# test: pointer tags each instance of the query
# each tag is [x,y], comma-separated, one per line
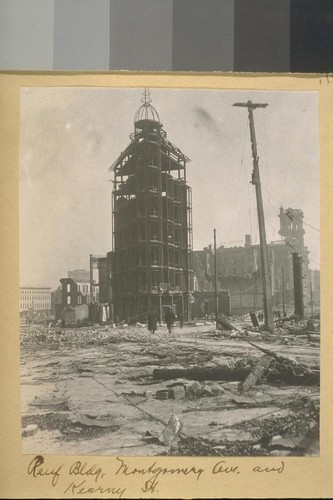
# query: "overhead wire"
[268,172]
[291,216]
[238,178]
[274,229]
[250,210]
[300,220]
[294,216]
[314,261]
[265,148]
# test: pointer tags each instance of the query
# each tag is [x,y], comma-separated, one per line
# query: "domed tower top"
[146,111]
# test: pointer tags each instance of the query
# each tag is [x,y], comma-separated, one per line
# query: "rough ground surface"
[91,391]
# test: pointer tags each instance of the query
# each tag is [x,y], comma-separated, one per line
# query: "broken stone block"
[171,430]
[30,430]
[92,421]
[282,441]
[257,372]
[196,390]
[177,392]
[151,437]
[162,394]
[224,324]
[51,401]
[243,400]
[213,390]
[208,391]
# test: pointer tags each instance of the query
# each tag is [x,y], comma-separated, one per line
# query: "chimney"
[248,241]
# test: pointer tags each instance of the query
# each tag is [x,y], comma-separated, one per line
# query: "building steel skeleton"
[152,222]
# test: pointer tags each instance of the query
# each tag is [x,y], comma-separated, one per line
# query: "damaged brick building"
[152,222]
[239,269]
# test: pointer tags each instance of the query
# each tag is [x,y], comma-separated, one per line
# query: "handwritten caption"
[81,478]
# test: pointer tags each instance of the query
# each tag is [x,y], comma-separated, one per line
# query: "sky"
[71,136]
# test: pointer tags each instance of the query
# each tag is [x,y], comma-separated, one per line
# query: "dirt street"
[92,391]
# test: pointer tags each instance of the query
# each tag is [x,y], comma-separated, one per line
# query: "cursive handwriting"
[81,489]
[220,467]
[82,469]
[279,470]
[35,469]
[154,471]
[83,478]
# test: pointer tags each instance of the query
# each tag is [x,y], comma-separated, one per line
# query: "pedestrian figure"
[169,318]
[254,319]
[206,306]
[152,320]
[181,319]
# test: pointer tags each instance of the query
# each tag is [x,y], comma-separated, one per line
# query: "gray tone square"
[81,35]
[26,34]
[262,35]
[203,35]
[141,35]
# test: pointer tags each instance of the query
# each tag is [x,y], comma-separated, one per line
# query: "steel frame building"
[152,222]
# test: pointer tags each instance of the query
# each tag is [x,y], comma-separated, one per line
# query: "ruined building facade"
[239,269]
[152,223]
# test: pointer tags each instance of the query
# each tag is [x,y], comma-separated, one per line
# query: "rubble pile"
[80,336]
[196,391]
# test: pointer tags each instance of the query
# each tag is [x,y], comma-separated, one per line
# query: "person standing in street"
[169,318]
[152,318]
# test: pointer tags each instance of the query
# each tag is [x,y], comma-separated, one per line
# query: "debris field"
[197,391]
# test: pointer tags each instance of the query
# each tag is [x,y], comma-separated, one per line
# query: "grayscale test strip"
[167,35]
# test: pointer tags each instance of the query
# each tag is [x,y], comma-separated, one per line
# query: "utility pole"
[269,325]
[283,300]
[160,303]
[255,293]
[215,273]
[91,288]
[298,285]
[311,297]
[241,300]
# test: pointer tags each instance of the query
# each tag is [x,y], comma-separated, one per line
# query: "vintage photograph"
[169,272]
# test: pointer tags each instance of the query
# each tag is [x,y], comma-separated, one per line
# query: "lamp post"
[215,281]
[160,303]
